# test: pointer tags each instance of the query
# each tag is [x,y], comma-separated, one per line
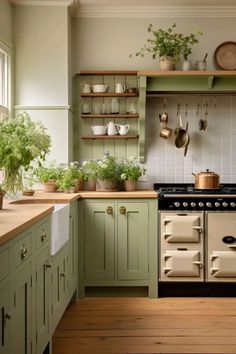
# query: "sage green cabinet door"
[132,239]
[22,313]
[42,299]
[73,248]
[99,241]
[5,317]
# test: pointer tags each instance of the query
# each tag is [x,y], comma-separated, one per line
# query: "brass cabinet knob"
[48,266]
[109,210]
[23,252]
[43,235]
[63,274]
[122,210]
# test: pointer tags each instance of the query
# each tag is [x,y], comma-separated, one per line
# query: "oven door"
[221,244]
[181,246]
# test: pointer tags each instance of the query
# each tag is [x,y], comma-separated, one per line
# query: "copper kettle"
[207,180]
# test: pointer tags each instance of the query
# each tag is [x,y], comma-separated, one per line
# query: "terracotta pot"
[130,185]
[91,184]
[50,186]
[79,185]
[106,186]
[28,193]
[1,198]
[167,63]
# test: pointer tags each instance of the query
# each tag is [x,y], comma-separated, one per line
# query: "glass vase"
[13,183]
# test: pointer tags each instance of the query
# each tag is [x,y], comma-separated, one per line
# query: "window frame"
[6,54]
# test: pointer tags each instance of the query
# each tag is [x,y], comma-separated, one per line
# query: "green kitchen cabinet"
[132,241]
[5,317]
[22,318]
[73,249]
[59,286]
[100,241]
[119,239]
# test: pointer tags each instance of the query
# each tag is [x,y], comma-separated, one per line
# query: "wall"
[6,22]
[42,72]
[105,43]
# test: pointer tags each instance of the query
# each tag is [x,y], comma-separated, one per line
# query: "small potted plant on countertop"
[2,193]
[72,178]
[131,171]
[168,45]
[48,176]
[90,168]
[108,174]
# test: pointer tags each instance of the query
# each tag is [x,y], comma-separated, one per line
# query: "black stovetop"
[188,189]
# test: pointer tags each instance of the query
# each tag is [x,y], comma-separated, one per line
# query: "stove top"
[183,196]
[188,189]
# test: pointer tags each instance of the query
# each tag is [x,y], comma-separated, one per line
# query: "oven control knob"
[217,204]
[193,205]
[185,204]
[232,204]
[208,204]
[225,204]
[201,204]
[177,204]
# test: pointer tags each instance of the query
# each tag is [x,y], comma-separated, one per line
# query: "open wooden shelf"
[92,137]
[109,94]
[109,72]
[123,115]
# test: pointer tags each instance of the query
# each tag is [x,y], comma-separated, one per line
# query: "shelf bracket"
[211,82]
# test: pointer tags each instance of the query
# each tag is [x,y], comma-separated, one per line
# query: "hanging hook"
[198,105]
[186,109]
[164,104]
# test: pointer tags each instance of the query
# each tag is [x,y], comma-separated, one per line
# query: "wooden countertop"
[20,214]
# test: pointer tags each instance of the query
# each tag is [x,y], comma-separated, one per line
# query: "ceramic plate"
[225,55]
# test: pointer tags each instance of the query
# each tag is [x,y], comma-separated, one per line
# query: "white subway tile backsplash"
[214,148]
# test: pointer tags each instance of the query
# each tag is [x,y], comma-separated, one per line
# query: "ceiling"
[146,3]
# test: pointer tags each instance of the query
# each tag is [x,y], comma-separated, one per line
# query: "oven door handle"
[232,246]
[213,257]
[166,270]
[166,235]
[166,221]
[198,228]
[198,263]
[214,271]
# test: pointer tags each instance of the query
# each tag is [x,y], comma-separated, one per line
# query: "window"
[5,79]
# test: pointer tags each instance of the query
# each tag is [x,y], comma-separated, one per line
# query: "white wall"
[43,80]
[5,22]
[105,43]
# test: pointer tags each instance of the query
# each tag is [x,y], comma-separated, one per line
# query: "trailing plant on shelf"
[131,170]
[168,45]
[21,141]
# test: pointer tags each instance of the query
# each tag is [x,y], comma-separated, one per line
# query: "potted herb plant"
[49,176]
[22,141]
[107,174]
[2,193]
[131,171]
[76,174]
[90,168]
[168,45]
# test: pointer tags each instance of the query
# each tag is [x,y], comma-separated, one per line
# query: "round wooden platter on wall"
[225,55]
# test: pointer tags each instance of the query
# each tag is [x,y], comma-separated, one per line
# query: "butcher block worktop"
[20,214]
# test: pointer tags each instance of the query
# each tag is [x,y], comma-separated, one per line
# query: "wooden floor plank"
[144,326]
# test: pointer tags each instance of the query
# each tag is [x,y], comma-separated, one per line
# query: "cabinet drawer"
[5,262]
[42,233]
[23,248]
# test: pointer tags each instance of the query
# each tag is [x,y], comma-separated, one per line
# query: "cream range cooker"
[197,233]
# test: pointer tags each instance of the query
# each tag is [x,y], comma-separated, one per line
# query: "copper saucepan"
[207,180]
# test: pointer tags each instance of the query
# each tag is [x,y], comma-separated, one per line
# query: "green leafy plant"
[108,168]
[21,141]
[131,170]
[47,173]
[90,169]
[168,43]
[69,176]
[2,189]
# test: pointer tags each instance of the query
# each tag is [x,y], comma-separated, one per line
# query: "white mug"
[120,88]
[86,88]
[123,129]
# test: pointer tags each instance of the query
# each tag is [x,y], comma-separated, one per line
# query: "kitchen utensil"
[205,57]
[163,118]
[201,124]
[112,128]
[186,146]
[182,135]
[99,129]
[86,88]
[165,132]
[207,180]
[225,55]
[99,88]
[119,88]
[123,129]
[201,65]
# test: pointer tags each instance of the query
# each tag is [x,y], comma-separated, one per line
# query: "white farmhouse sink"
[60,226]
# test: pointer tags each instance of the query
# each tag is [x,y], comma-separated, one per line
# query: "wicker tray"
[225,55]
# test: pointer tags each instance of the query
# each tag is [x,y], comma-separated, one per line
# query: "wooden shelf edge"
[128,116]
[93,137]
[108,72]
[109,94]
[174,73]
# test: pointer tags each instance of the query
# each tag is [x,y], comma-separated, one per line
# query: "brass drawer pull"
[109,210]
[23,252]
[63,274]
[43,235]
[48,266]
[122,210]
